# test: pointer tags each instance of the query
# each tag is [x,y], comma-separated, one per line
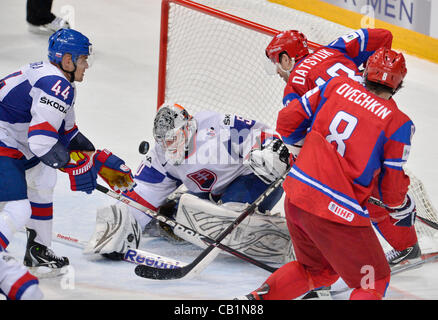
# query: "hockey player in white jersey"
[224,162]
[38,135]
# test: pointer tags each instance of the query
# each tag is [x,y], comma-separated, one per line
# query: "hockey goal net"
[212,57]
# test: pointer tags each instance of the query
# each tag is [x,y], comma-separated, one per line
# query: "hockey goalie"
[203,171]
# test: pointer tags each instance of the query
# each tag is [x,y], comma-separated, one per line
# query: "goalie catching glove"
[271,161]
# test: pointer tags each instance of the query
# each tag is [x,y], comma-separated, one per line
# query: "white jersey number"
[57,89]
[333,71]
[340,137]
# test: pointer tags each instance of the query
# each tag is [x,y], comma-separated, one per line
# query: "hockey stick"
[425,259]
[188,231]
[136,256]
[132,255]
[211,251]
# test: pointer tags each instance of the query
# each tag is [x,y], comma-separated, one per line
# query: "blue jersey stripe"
[24,286]
[14,114]
[289,97]
[19,98]
[150,175]
[298,134]
[342,199]
[374,162]
[46,133]
[404,133]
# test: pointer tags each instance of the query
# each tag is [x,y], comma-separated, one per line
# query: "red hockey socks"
[291,281]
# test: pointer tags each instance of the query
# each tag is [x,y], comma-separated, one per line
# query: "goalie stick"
[211,251]
[190,232]
[135,256]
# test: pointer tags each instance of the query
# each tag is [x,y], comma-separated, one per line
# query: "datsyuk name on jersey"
[307,64]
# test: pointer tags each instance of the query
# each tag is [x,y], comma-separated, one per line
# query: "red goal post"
[165,5]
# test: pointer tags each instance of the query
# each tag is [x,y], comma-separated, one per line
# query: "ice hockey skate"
[409,255]
[41,261]
[49,28]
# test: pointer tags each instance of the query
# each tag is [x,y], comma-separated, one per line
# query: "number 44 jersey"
[36,111]
[355,144]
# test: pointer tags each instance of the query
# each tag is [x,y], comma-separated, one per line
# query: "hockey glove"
[81,172]
[113,170]
[270,162]
[405,215]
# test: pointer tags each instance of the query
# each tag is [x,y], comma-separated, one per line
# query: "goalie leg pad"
[115,232]
[265,238]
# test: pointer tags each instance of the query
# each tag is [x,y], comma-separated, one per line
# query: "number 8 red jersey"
[351,137]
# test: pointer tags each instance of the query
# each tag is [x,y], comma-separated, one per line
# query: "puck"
[143,148]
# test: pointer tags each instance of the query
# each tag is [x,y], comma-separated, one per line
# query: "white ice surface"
[115,106]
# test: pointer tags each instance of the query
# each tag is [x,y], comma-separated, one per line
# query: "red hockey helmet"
[386,67]
[293,42]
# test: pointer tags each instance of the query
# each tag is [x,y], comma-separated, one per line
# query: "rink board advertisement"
[411,21]
[414,15]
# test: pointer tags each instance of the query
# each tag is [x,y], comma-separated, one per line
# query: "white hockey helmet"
[174,129]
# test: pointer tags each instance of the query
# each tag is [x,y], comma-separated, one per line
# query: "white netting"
[218,65]
[281,18]
[215,64]
[427,236]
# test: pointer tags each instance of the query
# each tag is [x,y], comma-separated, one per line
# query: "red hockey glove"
[81,172]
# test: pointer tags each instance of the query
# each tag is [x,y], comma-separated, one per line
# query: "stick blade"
[159,274]
[187,272]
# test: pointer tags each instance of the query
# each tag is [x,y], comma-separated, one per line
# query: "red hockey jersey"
[343,56]
[353,141]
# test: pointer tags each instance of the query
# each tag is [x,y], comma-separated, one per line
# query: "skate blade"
[47,273]
[318,294]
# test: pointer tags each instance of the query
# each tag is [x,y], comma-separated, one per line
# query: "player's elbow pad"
[57,157]
[81,142]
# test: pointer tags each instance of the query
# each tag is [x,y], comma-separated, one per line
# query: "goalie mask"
[174,129]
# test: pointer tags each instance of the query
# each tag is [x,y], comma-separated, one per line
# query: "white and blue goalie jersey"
[218,156]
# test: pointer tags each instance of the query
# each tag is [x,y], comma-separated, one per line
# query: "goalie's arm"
[153,183]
